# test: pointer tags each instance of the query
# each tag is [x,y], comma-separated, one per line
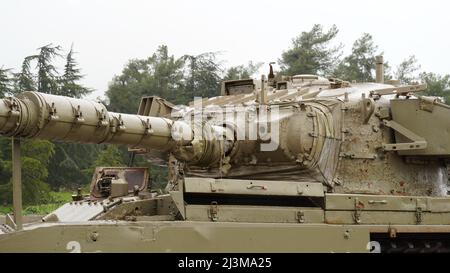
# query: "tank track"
[413,243]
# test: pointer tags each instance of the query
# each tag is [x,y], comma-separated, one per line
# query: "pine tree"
[360,64]
[5,82]
[437,85]
[25,80]
[158,75]
[109,157]
[311,53]
[202,74]
[407,70]
[242,71]
[47,75]
[69,85]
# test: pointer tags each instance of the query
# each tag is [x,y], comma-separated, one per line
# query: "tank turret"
[353,138]
[369,159]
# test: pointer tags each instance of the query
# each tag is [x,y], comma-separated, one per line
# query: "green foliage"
[56,199]
[109,157]
[24,80]
[310,52]
[163,75]
[60,197]
[406,70]
[47,79]
[387,71]
[34,176]
[35,158]
[437,85]
[159,177]
[70,166]
[105,156]
[41,209]
[241,71]
[202,76]
[41,150]
[69,85]
[5,82]
[158,75]
[360,64]
[158,174]
[47,75]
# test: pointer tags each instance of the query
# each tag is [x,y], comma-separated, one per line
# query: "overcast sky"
[107,33]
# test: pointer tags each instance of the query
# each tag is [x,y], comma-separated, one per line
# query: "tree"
[360,64]
[159,75]
[106,156]
[406,70]
[164,75]
[70,165]
[176,79]
[109,157]
[5,82]
[25,80]
[387,71]
[310,52]
[242,72]
[437,85]
[47,80]
[35,158]
[202,76]
[69,85]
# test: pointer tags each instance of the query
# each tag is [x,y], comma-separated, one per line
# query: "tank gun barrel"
[46,116]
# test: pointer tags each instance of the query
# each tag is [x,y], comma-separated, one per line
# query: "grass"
[57,199]
[61,197]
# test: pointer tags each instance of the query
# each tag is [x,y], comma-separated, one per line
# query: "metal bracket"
[148,127]
[14,116]
[417,144]
[118,125]
[427,103]
[102,122]
[399,91]
[52,113]
[256,187]
[213,211]
[78,115]
[300,216]
[392,232]
[367,108]
[213,186]
[14,109]
[357,214]
[358,155]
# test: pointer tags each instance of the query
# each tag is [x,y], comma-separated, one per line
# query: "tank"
[296,163]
